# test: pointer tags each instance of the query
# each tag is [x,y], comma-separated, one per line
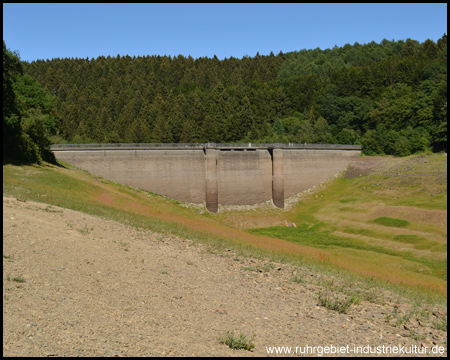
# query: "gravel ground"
[79,285]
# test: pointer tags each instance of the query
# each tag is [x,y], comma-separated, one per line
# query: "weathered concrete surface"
[214,176]
[302,169]
[178,174]
[244,177]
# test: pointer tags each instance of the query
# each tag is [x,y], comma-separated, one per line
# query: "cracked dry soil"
[95,287]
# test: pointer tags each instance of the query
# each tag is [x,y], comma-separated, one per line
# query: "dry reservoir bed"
[78,285]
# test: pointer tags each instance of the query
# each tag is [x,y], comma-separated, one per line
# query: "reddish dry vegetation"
[351,263]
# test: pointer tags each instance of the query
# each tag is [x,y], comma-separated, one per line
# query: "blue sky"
[46,31]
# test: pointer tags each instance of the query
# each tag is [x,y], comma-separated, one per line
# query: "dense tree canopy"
[27,119]
[390,97]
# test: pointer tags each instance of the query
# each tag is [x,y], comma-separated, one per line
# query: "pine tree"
[189,133]
[430,49]
[243,120]
[278,127]
[178,112]
[208,131]
[162,130]
[124,121]
[102,125]
[138,132]
[409,48]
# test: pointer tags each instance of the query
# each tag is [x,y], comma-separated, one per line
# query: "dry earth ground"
[95,287]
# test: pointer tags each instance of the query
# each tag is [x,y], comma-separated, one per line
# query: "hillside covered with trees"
[390,97]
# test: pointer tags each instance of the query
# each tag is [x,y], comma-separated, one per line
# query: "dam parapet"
[213,173]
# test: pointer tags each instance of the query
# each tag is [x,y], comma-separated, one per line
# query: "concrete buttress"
[277,178]
[211,191]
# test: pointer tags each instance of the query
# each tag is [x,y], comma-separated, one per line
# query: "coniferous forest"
[391,97]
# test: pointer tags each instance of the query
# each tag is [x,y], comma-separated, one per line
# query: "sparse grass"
[415,336]
[8,257]
[440,325]
[337,304]
[409,239]
[400,319]
[421,314]
[266,267]
[18,279]
[124,246]
[355,300]
[297,279]
[372,296]
[85,230]
[237,343]
[51,210]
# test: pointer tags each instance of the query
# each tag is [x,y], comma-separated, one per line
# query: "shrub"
[241,342]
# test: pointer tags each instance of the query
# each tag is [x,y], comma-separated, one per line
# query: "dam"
[213,174]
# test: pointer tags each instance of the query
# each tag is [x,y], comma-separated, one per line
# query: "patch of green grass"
[237,343]
[433,246]
[365,232]
[387,221]
[437,202]
[312,235]
[409,239]
[309,234]
[348,200]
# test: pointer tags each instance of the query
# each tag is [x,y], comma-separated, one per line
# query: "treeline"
[163,99]
[27,119]
[390,97]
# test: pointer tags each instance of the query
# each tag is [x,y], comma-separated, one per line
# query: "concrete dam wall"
[226,175]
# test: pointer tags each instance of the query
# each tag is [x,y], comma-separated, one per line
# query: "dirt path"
[95,287]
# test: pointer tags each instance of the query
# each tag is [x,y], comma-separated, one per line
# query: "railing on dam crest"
[174,146]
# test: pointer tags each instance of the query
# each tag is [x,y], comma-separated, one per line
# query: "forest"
[391,97]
